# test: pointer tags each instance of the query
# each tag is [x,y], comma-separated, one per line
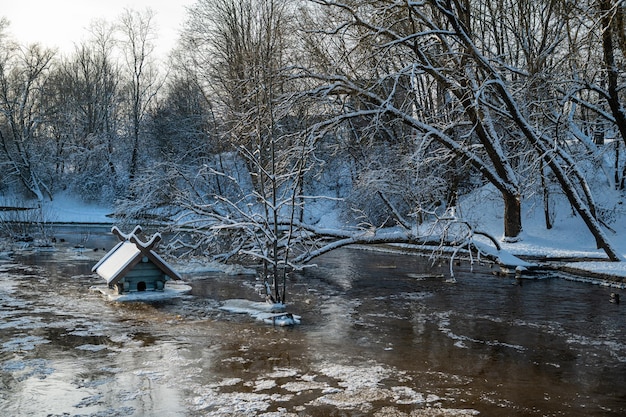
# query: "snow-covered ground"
[569,237]
[66,208]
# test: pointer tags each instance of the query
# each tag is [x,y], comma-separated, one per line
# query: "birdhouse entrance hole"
[141,286]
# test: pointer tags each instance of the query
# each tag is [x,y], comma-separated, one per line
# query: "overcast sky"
[63,23]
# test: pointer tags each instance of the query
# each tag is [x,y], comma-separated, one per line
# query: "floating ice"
[23,343]
[25,369]
[198,266]
[171,290]
[92,348]
[302,386]
[267,312]
[261,384]
[356,377]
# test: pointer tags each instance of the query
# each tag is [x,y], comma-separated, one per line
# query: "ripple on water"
[23,369]
[25,342]
[352,355]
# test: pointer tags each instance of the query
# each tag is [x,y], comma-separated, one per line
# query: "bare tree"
[592,84]
[423,80]
[614,42]
[137,30]
[241,50]
[23,80]
[557,161]
[433,40]
[84,90]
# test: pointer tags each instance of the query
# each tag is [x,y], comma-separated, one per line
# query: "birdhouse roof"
[128,253]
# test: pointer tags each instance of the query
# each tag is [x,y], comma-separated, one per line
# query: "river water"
[381,334]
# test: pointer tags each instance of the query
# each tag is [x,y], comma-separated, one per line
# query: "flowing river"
[381,334]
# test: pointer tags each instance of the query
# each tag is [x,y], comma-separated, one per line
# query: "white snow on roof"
[117,259]
[158,257]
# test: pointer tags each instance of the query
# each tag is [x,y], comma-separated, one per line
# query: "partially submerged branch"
[300,242]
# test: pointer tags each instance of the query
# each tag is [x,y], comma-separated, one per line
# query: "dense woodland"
[272,110]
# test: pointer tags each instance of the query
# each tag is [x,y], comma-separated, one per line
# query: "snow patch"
[171,290]
[66,208]
[609,268]
[270,313]
[91,348]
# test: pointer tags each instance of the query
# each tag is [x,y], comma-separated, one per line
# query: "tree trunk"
[616,174]
[512,216]
[546,196]
[611,66]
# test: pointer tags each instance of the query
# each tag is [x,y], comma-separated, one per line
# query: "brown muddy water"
[381,335]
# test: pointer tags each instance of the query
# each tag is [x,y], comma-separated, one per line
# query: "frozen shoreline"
[568,240]
[598,272]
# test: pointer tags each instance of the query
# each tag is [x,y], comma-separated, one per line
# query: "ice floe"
[270,313]
[171,290]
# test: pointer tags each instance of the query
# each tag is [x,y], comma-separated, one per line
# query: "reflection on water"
[381,335]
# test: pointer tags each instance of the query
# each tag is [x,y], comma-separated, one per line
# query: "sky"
[63,23]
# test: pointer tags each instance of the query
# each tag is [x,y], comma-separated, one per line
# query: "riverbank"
[568,246]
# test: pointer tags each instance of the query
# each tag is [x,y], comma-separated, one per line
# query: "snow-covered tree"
[143,82]
[85,94]
[433,41]
[240,49]
[23,111]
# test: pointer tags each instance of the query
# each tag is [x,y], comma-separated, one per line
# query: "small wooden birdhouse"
[133,265]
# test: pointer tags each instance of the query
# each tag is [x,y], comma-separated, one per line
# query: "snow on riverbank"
[68,209]
[64,208]
[568,239]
